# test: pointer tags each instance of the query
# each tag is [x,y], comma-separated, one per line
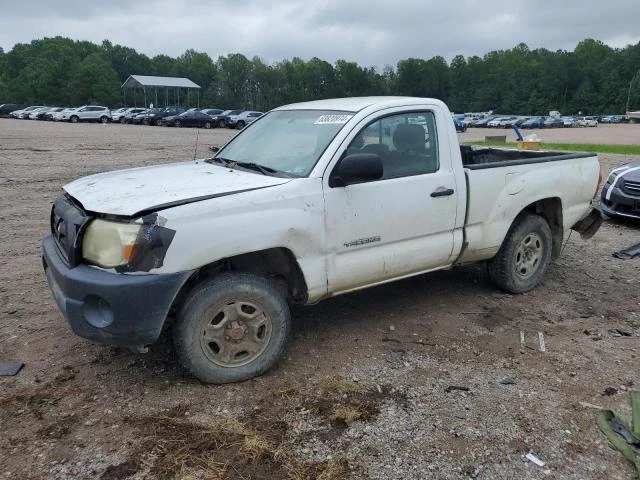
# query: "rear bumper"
[111,308]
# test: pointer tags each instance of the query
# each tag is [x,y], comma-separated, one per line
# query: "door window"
[406,143]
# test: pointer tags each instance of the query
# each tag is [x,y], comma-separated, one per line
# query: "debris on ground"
[619,434]
[609,391]
[532,458]
[10,369]
[451,388]
[629,252]
[508,381]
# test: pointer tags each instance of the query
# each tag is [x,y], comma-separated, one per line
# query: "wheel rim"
[178,124]
[529,255]
[234,334]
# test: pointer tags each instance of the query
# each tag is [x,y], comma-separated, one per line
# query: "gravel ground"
[365,389]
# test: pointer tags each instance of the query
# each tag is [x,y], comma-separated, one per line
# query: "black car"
[156,117]
[553,123]
[7,108]
[143,117]
[222,119]
[621,192]
[188,119]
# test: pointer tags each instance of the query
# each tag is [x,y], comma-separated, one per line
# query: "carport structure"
[173,85]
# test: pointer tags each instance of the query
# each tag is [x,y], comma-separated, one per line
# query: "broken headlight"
[110,244]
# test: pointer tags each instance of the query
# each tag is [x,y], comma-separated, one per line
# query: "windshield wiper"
[263,169]
[224,161]
[260,168]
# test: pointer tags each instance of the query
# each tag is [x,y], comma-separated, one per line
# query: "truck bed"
[475,158]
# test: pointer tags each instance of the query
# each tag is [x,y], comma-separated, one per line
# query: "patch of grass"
[337,386]
[225,448]
[570,147]
[346,414]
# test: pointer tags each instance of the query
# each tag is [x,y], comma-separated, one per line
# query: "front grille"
[67,224]
[632,188]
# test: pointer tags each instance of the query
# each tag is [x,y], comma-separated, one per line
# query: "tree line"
[593,78]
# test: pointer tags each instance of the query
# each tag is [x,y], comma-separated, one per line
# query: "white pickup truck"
[310,201]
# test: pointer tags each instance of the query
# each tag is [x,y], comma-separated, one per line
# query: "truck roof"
[354,104]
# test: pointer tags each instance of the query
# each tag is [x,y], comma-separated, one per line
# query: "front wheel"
[104,120]
[232,328]
[240,125]
[207,125]
[524,255]
[74,119]
[177,123]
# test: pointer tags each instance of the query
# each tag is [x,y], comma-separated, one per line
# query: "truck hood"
[138,190]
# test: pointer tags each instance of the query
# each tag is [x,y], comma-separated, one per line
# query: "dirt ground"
[364,391]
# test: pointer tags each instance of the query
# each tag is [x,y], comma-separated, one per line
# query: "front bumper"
[111,308]
[619,203]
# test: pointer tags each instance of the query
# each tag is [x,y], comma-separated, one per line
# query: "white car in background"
[243,119]
[587,122]
[24,113]
[33,114]
[116,115]
[57,116]
[88,113]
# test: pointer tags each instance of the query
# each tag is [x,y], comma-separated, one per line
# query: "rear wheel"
[232,328]
[207,125]
[220,123]
[104,119]
[524,256]
[122,120]
[178,123]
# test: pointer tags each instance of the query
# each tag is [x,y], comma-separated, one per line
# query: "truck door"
[402,223]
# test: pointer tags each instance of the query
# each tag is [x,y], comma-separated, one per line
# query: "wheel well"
[551,210]
[277,264]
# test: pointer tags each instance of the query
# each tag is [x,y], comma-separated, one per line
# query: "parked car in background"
[116,115]
[535,122]
[621,192]
[88,113]
[461,127]
[212,111]
[135,115]
[154,117]
[48,114]
[221,119]
[7,108]
[33,114]
[612,119]
[24,113]
[587,122]
[553,122]
[127,114]
[242,119]
[57,116]
[191,118]
[482,123]
[570,122]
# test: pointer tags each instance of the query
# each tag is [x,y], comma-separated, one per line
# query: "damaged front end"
[98,271]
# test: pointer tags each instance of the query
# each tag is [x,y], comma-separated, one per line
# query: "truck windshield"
[287,140]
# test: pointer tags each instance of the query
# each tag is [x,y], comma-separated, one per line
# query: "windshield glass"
[287,140]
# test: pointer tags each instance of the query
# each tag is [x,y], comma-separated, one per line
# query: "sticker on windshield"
[332,119]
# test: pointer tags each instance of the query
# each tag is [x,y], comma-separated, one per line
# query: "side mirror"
[356,168]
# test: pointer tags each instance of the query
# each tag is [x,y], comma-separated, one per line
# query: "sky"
[369,32]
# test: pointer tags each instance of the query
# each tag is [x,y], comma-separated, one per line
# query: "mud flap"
[589,225]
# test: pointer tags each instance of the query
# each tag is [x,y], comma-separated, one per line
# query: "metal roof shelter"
[148,81]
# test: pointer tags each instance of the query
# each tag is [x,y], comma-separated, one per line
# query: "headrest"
[409,136]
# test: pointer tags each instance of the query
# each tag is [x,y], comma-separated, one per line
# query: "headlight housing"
[110,244]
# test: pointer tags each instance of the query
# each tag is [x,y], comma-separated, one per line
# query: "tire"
[104,120]
[177,123]
[122,120]
[524,256]
[240,125]
[207,125]
[247,307]
[220,123]
[74,119]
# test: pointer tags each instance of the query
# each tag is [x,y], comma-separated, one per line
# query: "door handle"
[444,192]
